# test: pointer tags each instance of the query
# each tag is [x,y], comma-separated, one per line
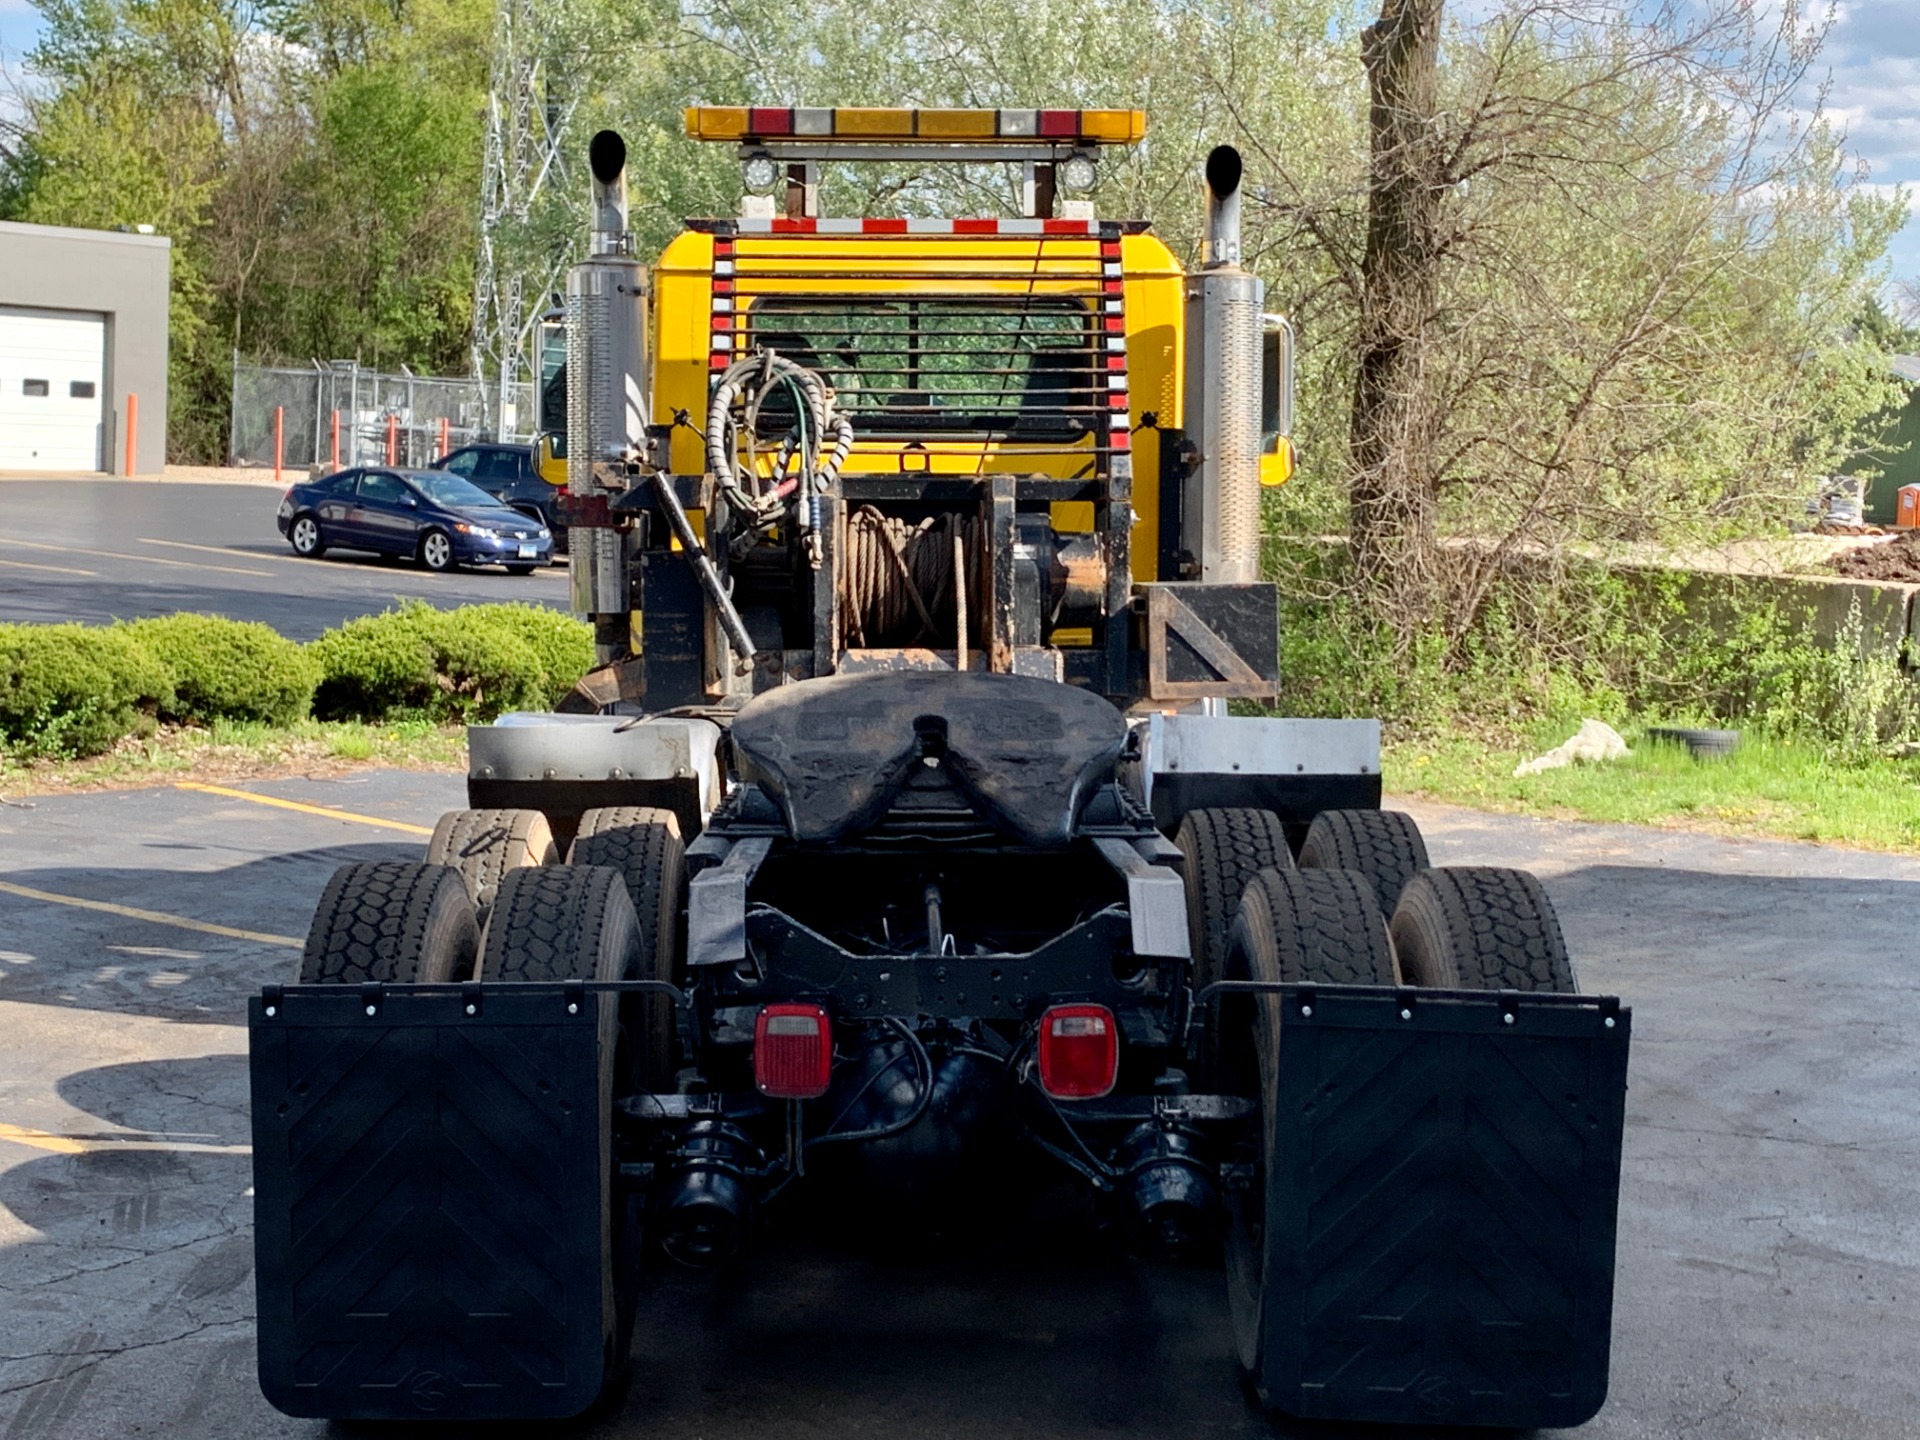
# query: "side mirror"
[1276,400]
[1276,460]
[410,502]
[550,459]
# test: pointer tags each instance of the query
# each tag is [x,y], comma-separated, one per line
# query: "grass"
[236,751]
[1789,792]
[1784,791]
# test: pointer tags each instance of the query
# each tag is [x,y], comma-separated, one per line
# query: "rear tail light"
[792,1052]
[1079,1052]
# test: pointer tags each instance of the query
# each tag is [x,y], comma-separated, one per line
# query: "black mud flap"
[1442,1188]
[430,1202]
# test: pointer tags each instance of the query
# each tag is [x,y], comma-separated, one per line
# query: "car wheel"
[436,550]
[305,537]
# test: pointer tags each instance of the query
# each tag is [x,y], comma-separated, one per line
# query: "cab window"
[382,488]
[498,465]
[461,463]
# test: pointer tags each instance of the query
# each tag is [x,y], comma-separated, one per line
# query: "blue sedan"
[430,516]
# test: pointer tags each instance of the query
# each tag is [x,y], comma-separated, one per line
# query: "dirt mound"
[1898,559]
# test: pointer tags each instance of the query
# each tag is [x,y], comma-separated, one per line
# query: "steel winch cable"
[898,581]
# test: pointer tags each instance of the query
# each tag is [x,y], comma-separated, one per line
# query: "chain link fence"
[338,414]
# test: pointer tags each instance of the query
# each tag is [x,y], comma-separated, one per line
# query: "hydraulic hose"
[821,439]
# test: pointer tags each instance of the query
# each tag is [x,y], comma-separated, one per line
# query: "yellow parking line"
[325,810]
[41,1140]
[154,917]
[81,1144]
[51,569]
[214,550]
[138,559]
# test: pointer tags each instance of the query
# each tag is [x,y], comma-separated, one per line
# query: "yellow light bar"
[866,125]
[1114,127]
[956,124]
[717,122]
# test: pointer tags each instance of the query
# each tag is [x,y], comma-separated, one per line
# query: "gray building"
[83,342]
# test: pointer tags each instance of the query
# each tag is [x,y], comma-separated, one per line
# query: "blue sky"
[1871,65]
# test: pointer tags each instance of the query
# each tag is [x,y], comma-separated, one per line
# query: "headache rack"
[1012,343]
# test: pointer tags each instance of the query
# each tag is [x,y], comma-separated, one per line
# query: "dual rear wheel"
[491,902]
[1325,921]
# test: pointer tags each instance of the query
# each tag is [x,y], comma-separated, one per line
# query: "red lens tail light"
[792,1052]
[1079,1052]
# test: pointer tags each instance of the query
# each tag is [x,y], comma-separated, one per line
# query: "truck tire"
[1258,1037]
[1481,927]
[1317,927]
[1320,927]
[1701,744]
[1383,845]
[391,921]
[483,845]
[644,846]
[568,922]
[560,922]
[1223,850]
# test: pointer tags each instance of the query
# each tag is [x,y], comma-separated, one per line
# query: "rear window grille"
[1012,365]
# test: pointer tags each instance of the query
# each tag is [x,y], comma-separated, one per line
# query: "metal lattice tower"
[515,275]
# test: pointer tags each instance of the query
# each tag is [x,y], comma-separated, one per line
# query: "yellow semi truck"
[900,841]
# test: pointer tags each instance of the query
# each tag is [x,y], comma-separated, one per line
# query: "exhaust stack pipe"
[609,382]
[1220,509]
[607,159]
[1223,208]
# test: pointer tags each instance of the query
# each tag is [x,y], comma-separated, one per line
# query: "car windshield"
[445,489]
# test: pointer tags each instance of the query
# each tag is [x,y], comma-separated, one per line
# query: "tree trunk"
[1392,502]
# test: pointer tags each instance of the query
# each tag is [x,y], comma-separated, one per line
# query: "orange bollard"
[279,439]
[446,446]
[393,439]
[336,439]
[133,430]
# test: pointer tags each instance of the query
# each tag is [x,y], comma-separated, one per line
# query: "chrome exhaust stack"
[608,388]
[1220,510]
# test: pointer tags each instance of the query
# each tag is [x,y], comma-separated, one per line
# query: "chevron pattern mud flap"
[1442,1185]
[430,1202]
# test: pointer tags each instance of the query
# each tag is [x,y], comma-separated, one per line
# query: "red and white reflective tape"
[782,225]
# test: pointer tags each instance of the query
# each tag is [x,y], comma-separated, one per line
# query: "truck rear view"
[900,847]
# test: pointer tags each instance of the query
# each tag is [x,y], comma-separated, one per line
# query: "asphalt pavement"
[102,550]
[1768,1279]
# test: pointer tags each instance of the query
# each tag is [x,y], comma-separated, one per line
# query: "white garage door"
[52,389]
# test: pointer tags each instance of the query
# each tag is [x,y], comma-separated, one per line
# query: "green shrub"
[562,643]
[460,665]
[229,669]
[1545,649]
[376,665]
[71,690]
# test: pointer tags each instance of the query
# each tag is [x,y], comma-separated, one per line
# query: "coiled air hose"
[820,441]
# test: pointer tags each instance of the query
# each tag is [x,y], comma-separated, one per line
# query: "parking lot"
[102,550]
[1767,1281]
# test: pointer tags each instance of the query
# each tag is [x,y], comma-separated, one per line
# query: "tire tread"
[1496,925]
[1385,846]
[390,921]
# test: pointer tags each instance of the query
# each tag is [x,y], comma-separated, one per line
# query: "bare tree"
[1392,506]
[1596,266]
